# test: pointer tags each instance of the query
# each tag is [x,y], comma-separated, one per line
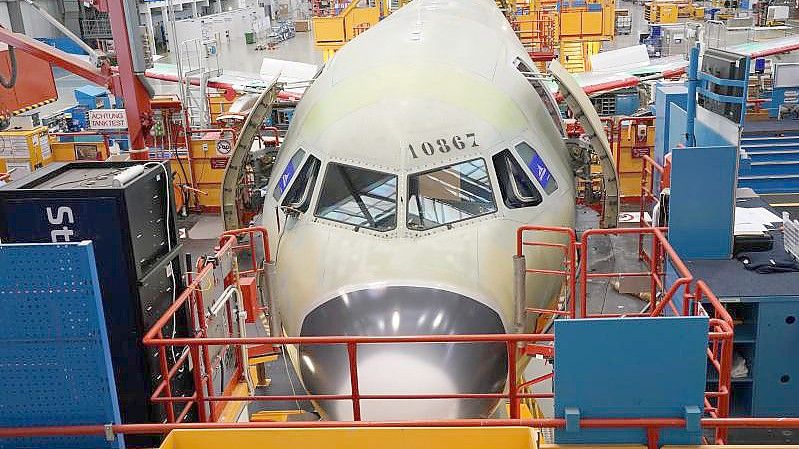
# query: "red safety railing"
[661,253]
[719,353]
[192,301]
[195,349]
[197,352]
[682,295]
[569,263]
[537,36]
[649,197]
[653,426]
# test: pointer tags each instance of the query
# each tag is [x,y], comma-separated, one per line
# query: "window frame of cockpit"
[511,147]
[301,162]
[296,178]
[492,183]
[511,151]
[322,176]
[547,163]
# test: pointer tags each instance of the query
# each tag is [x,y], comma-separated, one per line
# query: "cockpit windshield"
[449,194]
[359,197]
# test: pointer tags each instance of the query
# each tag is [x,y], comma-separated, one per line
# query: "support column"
[15,15]
[194,9]
[148,16]
[167,32]
[137,99]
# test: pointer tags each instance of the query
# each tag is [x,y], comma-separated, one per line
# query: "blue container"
[80,117]
[93,97]
[64,44]
[627,104]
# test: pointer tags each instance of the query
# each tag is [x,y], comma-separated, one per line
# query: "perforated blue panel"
[55,365]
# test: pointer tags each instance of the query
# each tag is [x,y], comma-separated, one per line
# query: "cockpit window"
[359,197]
[288,174]
[449,194]
[299,194]
[537,167]
[517,189]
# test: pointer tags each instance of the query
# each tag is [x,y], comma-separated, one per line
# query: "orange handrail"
[569,260]
[648,198]
[720,335]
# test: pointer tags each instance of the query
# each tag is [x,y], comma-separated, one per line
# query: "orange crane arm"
[66,61]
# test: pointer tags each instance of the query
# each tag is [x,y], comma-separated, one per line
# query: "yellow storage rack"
[25,150]
[669,12]
[334,27]
[582,27]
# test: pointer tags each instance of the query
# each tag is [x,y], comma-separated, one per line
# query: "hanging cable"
[12,80]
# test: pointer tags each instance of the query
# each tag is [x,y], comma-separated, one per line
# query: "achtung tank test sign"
[107,119]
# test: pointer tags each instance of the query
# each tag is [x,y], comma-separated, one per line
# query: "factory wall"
[5,21]
[35,25]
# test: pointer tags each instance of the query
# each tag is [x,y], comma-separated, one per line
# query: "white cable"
[291,382]
[168,185]
[174,315]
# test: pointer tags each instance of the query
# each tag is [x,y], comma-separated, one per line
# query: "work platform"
[764,307]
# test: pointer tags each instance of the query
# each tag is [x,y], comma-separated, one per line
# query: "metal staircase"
[573,57]
[198,63]
[770,164]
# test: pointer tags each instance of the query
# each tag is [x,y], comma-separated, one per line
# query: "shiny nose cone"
[407,368]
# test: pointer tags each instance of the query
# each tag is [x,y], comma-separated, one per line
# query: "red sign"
[641,152]
[218,162]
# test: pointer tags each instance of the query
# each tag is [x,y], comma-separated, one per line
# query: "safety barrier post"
[513,391]
[170,412]
[352,356]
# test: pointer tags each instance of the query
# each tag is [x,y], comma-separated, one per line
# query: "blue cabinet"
[767,338]
[775,368]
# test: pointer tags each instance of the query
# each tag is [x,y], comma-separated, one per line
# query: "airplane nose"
[407,368]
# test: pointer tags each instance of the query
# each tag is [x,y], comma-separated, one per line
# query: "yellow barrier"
[355,438]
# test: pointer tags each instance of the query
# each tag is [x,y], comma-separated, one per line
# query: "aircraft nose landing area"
[414,368]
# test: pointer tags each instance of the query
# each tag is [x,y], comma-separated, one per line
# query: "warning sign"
[223,146]
[107,119]
[218,163]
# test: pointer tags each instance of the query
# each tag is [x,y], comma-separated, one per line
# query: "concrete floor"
[235,54]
